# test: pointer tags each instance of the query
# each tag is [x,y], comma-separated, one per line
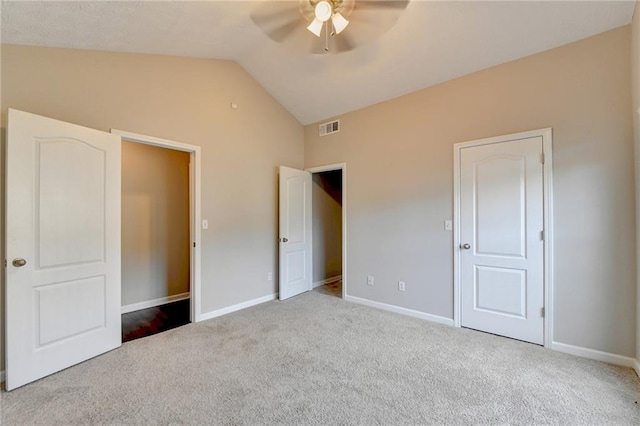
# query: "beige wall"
[186,100]
[400,189]
[400,165]
[155,223]
[635,83]
[327,225]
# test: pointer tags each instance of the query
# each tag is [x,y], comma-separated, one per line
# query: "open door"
[63,246]
[295,232]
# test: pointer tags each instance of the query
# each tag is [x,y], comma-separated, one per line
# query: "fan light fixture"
[323,12]
[339,22]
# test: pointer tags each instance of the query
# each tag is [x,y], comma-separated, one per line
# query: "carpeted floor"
[318,360]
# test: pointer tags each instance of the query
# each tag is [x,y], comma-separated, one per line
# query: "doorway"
[155,239]
[178,271]
[327,232]
[502,236]
[329,229]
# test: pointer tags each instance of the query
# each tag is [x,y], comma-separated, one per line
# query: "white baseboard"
[624,361]
[327,281]
[238,307]
[155,302]
[400,310]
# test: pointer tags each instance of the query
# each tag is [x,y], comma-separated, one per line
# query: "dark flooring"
[155,320]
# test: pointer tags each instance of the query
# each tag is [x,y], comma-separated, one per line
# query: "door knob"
[19,262]
[284,240]
[465,246]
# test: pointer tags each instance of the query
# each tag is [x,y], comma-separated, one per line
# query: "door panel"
[61,317]
[295,232]
[501,218]
[500,206]
[63,218]
[501,291]
[70,202]
[295,223]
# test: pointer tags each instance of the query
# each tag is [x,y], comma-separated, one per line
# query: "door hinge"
[542,158]
[5,263]
[194,244]
[542,312]
[542,235]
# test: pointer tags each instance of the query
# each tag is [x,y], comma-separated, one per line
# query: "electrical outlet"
[270,276]
[400,285]
[370,280]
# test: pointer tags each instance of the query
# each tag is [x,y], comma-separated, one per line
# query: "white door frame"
[330,168]
[194,208]
[547,145]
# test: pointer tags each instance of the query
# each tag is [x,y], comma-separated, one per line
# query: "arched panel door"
[63,246]
[295,233]
[502,248]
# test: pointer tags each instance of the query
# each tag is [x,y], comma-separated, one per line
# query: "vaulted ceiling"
[431,42]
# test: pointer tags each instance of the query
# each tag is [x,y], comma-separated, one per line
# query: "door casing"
[547,145]
[194,209]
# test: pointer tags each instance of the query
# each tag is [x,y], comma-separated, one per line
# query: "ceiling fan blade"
[346,7]
[379,22]
[274,13]
[381,4]
[307,9]
[313,45]
[282,32]
[341,43]
[295,37]
[363,30]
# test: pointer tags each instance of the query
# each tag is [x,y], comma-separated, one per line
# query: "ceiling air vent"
[328,128]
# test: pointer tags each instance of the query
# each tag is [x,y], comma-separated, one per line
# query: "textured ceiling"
[432,41]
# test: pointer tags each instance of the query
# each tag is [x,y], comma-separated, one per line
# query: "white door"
[502,251]
[295,232]
[63,246]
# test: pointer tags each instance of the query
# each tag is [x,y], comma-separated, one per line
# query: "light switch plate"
[205,224]
[448,225]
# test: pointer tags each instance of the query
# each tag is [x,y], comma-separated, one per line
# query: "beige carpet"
[318,360]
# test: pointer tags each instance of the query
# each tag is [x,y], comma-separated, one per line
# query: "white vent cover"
[329,128]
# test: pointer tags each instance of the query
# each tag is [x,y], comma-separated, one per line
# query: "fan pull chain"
[326,38]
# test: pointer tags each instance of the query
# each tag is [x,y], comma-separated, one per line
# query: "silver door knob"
[284,240]
[19,262]
[465,246]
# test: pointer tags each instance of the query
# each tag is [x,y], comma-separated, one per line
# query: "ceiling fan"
[320,26]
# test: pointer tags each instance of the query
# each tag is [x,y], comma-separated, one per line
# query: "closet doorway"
[329,229]
[160,239]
